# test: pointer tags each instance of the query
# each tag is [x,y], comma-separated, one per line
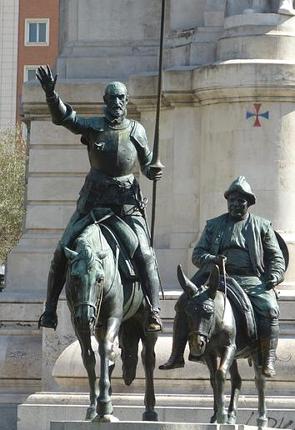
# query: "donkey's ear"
[187,285]
[102,254]
[69,253]
[213,282]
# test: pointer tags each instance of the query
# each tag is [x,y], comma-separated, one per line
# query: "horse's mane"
[90,236]
[89,242]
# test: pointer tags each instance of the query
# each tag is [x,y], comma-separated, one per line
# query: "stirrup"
[269,371]
[48,319]
[153,323]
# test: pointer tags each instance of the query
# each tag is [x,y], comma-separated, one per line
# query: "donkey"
[215,338]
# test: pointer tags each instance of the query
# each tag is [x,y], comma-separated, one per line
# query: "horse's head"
[200,310]
[86,276]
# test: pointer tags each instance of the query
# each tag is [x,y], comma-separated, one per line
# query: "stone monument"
[284,7]
[228,110]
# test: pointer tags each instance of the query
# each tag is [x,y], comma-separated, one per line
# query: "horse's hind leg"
[88,357]
[236,383]
[149,360]
[262,420]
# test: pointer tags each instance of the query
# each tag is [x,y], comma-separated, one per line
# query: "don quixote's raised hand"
[46,80]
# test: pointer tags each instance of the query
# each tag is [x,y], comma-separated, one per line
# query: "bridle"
[205,326]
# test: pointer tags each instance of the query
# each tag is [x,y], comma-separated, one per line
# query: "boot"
[55,283]
[180,332]
[154,322]
[269,357]
[146,268]
[286,7]
[268,339]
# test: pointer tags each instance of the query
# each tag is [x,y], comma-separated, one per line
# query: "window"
[37,32]
[30,73]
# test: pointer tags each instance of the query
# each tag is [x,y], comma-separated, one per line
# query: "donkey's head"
[200,310]
[85,278]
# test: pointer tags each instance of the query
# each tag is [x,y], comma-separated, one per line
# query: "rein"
[99,303]
[225,287]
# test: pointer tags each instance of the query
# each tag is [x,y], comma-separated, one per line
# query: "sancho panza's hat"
[241,185]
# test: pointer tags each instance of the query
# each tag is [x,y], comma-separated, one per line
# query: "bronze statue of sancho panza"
[249,247]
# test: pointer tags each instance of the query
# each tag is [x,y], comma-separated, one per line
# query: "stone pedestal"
[258,36]
[234,7]
[131,425]
[190,408]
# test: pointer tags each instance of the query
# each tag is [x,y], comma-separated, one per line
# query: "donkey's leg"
[236,383]
[111,369]
[225,364]
[84,336]
[260,381]
[149,360]
[106,336]
[211,361]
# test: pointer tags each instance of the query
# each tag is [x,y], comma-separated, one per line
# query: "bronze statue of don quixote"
[105,257]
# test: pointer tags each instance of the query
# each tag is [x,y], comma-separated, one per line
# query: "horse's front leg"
[220,377]
[260,381]
[106,336]
[149,360]
[82,329]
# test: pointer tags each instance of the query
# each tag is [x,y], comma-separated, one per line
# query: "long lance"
[156,163]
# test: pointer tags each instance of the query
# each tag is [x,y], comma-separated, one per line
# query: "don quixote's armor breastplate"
[112,151]
[110,181]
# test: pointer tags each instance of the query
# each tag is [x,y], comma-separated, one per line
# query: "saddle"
[243,311]
[120,237]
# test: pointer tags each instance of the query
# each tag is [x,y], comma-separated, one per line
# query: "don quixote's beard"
[113,117]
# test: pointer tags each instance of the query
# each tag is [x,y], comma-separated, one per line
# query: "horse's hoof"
[91,413]
[222,418]
[112,356]
[150,416]
[105,419]
[231,419]
[104,408]
[213,419]
[262,422]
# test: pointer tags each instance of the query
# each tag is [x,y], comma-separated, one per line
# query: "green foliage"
[12,188]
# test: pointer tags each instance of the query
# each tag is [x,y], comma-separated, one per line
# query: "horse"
[216,338]
[100,302]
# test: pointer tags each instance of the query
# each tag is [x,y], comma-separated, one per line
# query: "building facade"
[29,34]
[38,35]
[9,12]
